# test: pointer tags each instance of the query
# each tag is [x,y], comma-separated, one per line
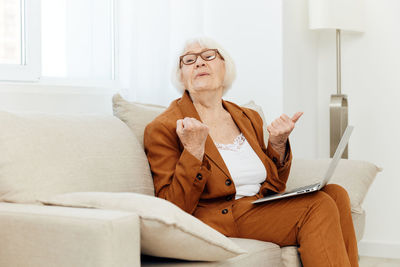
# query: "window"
[10,32]
[77,39]
[71,41]
[19,45]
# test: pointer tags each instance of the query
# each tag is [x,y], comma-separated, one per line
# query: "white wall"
[300,77]
[252,33]
[370,78]
[34,97]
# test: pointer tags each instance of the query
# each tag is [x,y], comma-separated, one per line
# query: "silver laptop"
[328,175]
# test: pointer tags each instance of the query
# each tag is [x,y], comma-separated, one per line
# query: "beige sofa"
[93,176]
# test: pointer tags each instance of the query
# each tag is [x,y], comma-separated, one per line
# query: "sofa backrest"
[43,154]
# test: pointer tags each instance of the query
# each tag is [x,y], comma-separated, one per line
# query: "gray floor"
[378,262]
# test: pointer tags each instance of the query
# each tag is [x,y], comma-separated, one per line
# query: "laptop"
[328,175]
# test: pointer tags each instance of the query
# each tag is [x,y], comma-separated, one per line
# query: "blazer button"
[199,176]
[229,198]
[228,182]
[275,160]
[224,211]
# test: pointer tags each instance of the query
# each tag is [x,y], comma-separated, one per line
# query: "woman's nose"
[200,62]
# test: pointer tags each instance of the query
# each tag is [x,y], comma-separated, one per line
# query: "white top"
[245,167]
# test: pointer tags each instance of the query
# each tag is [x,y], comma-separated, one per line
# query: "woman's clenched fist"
[193,135]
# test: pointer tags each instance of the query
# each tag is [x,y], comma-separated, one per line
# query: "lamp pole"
[338,106]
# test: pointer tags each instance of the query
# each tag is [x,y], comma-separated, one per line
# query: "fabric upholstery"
[290,257]
[166,230]
[135,115]
[43,236]
[251,104]
[44,154]
[354,175]
[359,224]
[259,254]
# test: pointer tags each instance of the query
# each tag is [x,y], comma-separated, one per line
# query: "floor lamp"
[338,15]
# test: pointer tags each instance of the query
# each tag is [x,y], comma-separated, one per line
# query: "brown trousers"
[320,223]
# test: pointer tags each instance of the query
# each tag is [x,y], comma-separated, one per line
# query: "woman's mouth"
[201,74]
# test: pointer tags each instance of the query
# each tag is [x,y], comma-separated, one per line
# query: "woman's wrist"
[280,148]
[197,153]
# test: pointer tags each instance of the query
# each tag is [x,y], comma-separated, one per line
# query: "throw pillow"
[354,175]
[166,230]
[43,154]
[251,104]
[135,115]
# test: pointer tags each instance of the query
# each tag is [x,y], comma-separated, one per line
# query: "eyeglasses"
[191,58]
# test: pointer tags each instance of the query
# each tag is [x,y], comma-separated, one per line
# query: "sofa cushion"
[135,115]
[43,154]
[259,253]
[359,224]
[43,236]
[251,104]
[166,230]
[290,257]
[354,175]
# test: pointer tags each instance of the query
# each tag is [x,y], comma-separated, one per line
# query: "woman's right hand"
[193,135]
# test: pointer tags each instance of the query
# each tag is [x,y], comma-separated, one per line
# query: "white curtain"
[150,34]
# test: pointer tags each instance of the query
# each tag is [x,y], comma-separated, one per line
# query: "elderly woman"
[208,157]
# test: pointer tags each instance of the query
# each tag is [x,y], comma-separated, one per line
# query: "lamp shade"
[345,15]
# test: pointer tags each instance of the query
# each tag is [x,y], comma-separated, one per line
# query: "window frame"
[30,68]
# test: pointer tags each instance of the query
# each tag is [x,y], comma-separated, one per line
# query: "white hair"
[230,69]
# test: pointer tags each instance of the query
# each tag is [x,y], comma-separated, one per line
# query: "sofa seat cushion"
[259,253]
[290,257]
[44,154]
[166,230]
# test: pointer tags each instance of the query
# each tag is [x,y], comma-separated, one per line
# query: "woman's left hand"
[279,131]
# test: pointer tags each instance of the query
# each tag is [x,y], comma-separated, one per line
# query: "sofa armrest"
[355,176]
[37,235]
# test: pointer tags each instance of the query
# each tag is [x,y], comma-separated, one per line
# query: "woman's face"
[203,74]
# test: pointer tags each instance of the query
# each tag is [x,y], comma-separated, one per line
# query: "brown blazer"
[205,188]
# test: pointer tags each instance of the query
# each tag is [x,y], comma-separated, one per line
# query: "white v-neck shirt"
[245,167]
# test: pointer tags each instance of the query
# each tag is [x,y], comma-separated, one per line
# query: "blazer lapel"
[246,127]
[188,110]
